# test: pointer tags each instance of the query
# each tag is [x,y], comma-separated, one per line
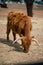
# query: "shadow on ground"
[17,46]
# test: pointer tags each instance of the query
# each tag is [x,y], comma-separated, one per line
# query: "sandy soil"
[13,53]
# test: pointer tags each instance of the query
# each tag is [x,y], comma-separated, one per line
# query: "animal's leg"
[8,31]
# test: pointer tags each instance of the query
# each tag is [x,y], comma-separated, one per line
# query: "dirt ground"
[13,53]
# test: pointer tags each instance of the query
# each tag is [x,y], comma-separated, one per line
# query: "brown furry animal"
[21,24]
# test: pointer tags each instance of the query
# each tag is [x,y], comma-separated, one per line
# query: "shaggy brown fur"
[21,24]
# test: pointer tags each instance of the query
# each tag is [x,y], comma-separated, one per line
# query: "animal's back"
[17,21]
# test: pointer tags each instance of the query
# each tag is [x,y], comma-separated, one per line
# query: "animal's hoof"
[25,51]
[7,39]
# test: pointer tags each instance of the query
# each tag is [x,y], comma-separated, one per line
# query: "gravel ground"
[13,53]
